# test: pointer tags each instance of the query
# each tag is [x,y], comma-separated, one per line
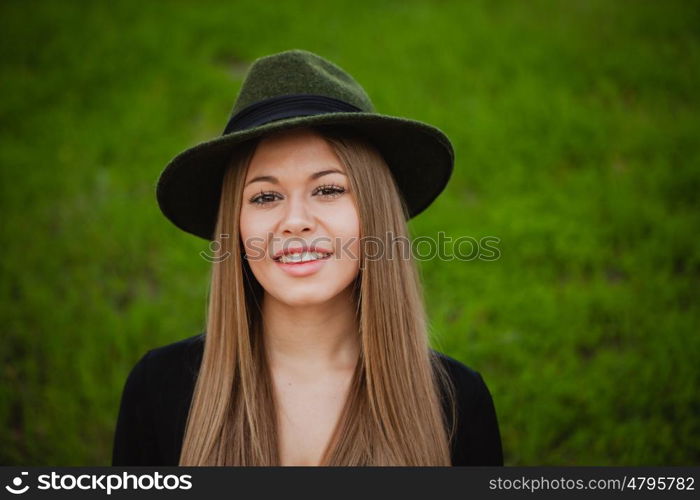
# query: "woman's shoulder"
[477,440]
[170,362]
[188,349]
[154,404]
[467,380]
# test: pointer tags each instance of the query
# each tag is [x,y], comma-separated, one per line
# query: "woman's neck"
[319,337]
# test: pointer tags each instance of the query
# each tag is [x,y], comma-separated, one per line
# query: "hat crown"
[298,71]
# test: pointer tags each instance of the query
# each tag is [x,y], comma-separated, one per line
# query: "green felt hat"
[299,88]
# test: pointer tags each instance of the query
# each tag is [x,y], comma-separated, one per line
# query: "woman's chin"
[304,300]
[301,296]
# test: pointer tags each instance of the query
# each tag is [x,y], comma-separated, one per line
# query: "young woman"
[316,348]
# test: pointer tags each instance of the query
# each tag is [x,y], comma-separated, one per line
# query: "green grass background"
[575,126]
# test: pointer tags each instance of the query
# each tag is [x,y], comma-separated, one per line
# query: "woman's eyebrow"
[273,180]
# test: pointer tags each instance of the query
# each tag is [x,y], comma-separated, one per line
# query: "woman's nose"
[296,216]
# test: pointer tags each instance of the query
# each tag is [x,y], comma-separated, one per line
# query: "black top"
[158,391]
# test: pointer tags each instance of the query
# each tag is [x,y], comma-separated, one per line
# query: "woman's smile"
[303,267]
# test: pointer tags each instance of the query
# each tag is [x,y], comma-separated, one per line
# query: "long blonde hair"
[393,413]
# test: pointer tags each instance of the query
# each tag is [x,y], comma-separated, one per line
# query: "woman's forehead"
[292,153]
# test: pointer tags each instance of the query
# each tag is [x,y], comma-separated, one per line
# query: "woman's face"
[296,195]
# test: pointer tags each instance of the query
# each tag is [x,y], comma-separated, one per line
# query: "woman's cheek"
[253,231]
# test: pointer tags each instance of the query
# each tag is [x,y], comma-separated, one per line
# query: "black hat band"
[285,106]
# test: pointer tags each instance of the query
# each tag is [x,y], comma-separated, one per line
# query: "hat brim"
[419,155]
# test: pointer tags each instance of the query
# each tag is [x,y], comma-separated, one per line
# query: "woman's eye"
[330,191]
[263,198]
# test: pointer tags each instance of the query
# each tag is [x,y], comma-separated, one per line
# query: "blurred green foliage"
[575,126]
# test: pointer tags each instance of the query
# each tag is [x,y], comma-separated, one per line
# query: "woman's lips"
[300,269]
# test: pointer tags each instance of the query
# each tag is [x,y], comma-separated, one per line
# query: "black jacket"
[157,394]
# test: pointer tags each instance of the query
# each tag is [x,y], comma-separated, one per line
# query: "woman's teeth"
[302,257]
